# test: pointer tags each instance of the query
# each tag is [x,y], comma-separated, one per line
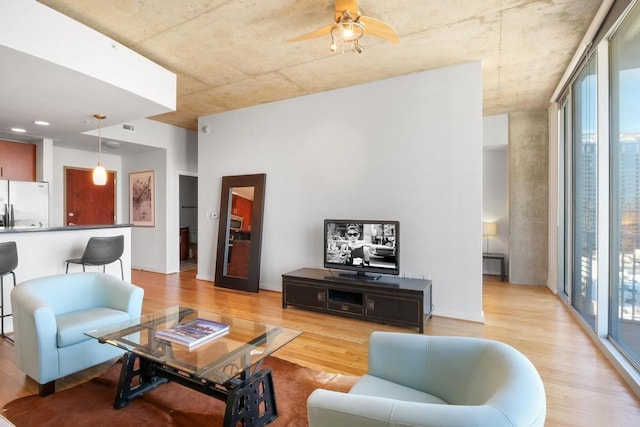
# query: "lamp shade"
[99,175]
[489,228]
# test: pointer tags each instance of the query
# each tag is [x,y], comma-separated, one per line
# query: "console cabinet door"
[305,295]
[386,308]
[17,161]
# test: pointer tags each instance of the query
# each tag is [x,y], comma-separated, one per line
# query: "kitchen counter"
[25,229]
[44,251]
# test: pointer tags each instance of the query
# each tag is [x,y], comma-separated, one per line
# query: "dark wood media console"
[389,299]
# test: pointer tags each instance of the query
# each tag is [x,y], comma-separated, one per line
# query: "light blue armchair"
[51,314]
[417,380]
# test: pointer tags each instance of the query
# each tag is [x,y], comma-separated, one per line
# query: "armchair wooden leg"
[47,389]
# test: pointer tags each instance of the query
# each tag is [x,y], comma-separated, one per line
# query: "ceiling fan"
[350,26]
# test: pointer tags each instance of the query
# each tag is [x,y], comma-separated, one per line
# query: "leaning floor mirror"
[240,232]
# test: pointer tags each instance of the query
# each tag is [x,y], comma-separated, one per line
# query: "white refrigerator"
[24,204]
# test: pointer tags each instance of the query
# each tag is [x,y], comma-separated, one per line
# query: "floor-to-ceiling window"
[584,202]
[624,311]
[564,136]
[599,196]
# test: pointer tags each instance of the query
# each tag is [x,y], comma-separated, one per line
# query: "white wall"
[405,148]
[149,244]
[494,204]
[495,207]
[495,131]
[169,151]
[157,248]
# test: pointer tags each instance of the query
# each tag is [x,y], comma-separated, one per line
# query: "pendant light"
[99,174]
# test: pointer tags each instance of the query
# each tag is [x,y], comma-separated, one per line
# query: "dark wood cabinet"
[184,243]
[303,295]
[17,161]
[401,310]
[392,300]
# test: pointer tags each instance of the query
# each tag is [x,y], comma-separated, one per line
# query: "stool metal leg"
[2,315]
[2,304]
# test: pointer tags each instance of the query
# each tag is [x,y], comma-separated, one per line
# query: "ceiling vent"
[128,127]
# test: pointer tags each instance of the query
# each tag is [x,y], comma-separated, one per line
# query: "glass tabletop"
[219,359]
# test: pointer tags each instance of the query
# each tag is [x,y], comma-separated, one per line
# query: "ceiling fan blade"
[350,5]
[312,35]
[376,27]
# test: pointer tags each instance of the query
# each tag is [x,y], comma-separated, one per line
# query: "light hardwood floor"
[582,387]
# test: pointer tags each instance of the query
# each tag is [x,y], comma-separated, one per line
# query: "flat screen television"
[364,248]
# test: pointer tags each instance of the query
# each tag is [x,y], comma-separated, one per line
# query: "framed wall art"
[142,199]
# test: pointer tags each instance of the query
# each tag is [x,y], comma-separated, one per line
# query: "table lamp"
[489,229]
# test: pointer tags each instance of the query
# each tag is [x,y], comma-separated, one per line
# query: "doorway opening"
[188,199]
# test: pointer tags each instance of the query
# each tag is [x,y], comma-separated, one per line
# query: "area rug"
[91,403]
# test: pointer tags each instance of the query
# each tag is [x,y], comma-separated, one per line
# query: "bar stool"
[8,263]
[101,251]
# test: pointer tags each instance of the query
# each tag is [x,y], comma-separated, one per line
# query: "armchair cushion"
[72,326]
[369,385]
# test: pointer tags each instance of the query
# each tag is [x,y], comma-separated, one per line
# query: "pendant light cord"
[100,118]
[100,143]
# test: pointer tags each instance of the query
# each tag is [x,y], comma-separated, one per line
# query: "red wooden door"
[87,203]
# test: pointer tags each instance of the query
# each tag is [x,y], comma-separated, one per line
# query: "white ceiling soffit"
[58,70]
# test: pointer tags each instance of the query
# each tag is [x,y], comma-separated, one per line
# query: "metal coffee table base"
[250,398]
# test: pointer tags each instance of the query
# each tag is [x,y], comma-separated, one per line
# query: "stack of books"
[193,332]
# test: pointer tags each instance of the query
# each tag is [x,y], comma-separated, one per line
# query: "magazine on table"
[194,332]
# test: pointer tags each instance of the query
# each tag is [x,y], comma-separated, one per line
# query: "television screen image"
[362,246]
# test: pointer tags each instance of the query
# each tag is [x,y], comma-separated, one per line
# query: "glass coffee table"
[228,367]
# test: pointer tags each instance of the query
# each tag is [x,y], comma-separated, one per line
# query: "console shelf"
[392,300]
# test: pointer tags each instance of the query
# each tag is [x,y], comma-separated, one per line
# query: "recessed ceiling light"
[112,144]
[19,130]
[41,123]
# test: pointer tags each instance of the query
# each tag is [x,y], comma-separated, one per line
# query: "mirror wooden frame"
[252,282]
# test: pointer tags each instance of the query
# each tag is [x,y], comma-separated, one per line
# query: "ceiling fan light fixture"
[347,31]
[348,27]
